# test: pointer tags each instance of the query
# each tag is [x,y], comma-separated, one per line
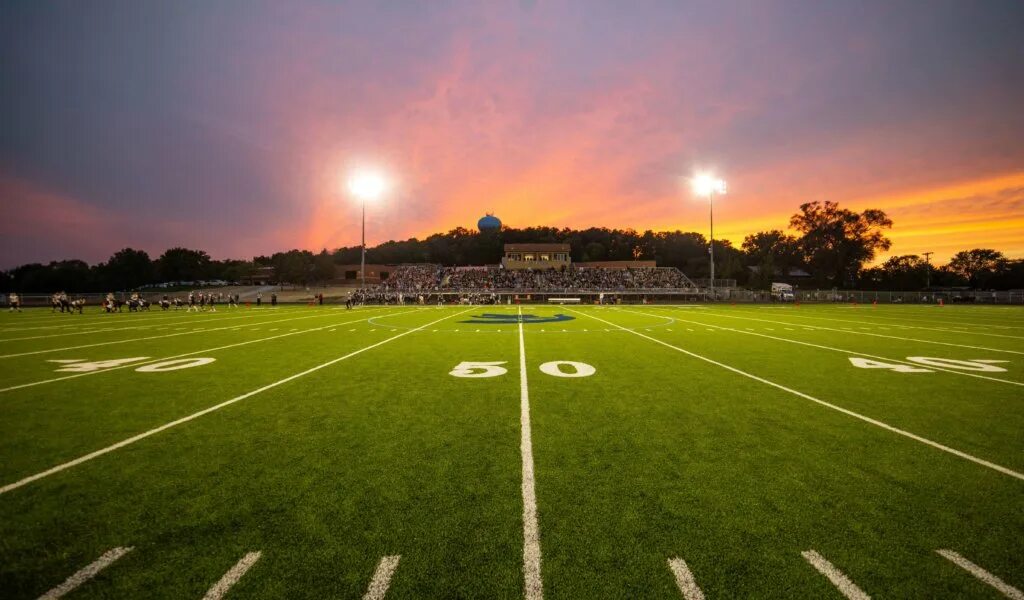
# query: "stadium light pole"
[365,185]
[706,186]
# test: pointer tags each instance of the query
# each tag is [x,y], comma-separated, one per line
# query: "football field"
[503,452]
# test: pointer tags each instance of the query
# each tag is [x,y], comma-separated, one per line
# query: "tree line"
[830,247]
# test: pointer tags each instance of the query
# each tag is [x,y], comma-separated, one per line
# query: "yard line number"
[556,368]
[978,364]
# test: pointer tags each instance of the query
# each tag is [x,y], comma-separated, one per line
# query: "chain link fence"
[881,297]
[649,296]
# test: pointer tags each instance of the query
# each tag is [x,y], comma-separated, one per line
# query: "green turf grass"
[658,454]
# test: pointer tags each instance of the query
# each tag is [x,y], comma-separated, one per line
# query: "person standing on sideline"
[273,299]
[259,298]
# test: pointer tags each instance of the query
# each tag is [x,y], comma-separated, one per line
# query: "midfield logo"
[505,319]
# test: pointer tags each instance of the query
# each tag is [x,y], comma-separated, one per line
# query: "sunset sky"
[230,126]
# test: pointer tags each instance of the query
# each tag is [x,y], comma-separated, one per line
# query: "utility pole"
[928,269]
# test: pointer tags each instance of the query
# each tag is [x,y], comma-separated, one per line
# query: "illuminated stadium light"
[705,185]
[367,185]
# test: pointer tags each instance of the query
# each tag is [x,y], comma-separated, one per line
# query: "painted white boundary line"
[382,578]
[841,350]
[684,579]
[232,576]
[944,317]
[1006,589]
[845,411]
[72,463]
[533,585]
[881,335]
[203,351]
[963,331]
[838,579]
[86,573]
[109,319]
[166,335]
[109,329]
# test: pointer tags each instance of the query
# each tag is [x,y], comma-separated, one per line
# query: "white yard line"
[127,442]
[881,335]
[684,579]
[381,581]
[86,573]
[109,319]
[232,576]
[838,579]
[947,319]
[156,337]
[107,329]
[845,411]
[187,354]
[844,351]
[960,331]
[533,588]
[1004,588]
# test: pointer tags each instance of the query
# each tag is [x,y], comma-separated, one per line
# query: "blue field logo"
[506,319]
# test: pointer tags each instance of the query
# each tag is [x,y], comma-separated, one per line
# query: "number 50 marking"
[476,369]
[471,369]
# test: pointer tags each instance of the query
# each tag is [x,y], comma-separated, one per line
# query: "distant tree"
[728,262]
[837,242]
[182,264]
[593,251]
[978,266]
[1011,278]
[907,272]
[237,270]
[127,269]
[295,266]
[772,253]
[68,275]
[323,267]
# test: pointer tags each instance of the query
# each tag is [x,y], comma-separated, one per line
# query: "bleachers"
[435,278]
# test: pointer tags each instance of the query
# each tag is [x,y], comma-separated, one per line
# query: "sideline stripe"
[232,576]
[684,579]
[881,335]
[838,579]
[876,324]
[156,360]
[533,586]
[72,463]
[157,337]
[937,317]
[106,329]
[108,319]
[86,573]
[845,411]
[854,352]
[1006,589]
[382,578]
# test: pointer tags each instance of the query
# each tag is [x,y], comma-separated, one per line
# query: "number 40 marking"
[476,369]
[980,365]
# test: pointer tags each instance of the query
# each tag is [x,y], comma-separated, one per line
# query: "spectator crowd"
[416,279]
